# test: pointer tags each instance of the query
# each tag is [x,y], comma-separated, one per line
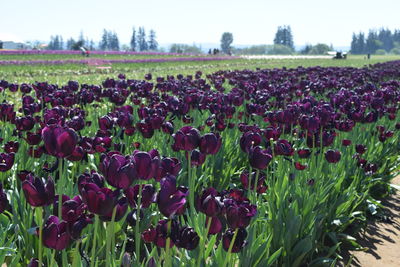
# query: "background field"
[95,74]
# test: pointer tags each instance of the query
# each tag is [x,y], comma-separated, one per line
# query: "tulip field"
[246,167]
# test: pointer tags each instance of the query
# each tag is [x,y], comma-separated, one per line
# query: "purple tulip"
[187,238]
[215,226]
[170,166]
[249,140]
[284,148]
[34,262]
[33,139]
[119,171]
[162,233]
[37,193]
[147,164]
[332,156]
[171,200]
[346,142]
[197,158]
[11,147]
[59,141]
[244,178]
[71,209]
[360,149]
[259,158]
[121,208]
[3,200]
[304,153]
[6,161]
[210,202]
[187,138]
[75,228]
[100,201]
[239,243]
[148,195]
[92,177]
[210,143]
[55,234]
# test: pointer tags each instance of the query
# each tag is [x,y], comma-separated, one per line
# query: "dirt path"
[382,238]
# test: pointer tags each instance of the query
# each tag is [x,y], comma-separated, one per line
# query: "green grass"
[91,74]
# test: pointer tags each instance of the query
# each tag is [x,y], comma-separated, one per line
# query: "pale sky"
[203,21]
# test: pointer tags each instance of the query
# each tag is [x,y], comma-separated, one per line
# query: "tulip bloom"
[332,156]
[121,208]
[239,243]
[360,149]
[259,158]
[147,164]
[244,178]
[55,234]
[59,141]
[119,171]
[3,200]
[148,195]
[37,193]
[187,138]
[283,147]
[6,161]
[171,200]
[249,140]
[210,143]
[187,238]
[100,201]
[210,202]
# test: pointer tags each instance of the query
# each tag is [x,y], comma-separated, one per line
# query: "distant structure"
[13,45]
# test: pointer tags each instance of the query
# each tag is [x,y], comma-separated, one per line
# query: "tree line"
[109,41]
[376,42]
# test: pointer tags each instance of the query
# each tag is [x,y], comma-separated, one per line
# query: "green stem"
[110,234]
[53,258]
[76,255]
[202,242]
[60,187]
[40,218]
[96,224]
[227,259]
[191,185]
[167,244]
[137,230]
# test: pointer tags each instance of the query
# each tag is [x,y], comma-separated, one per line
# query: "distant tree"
[279,49]
[395,51]
[82,39]
[56,43]
[306,50]
[92,45]
[70,43]
[380,52]
[184,48]
[133,40]
[319,49]
[77,45]
[385,36]
[113,41]
[226,41]
[284,36]
[142,43]
[1,44]
[104,41]
[153,45]
[372,43]
[252,50]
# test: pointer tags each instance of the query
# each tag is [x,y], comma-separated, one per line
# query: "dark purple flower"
[187,138]
[346,142]
[360,149]
[332,156]
[210,143]
[239,243]
[283,147]
[121,208]
[210,202]
[11,147]
[34,262]
[59,141]
[187,238]
[33,139]
[249,140]
[244,178]
[55,234]
[119,171]
[6,161]
[215,226]
[3,200]
[149,235]
[299,166]
[147,164]
[197,158]
[92,177]
[148,195]
[304,153]
[170,166]
[100,201]
[37,193]
[75,228]
[171,200]
[239,213]
[259,158]
[71,209]
[162,233]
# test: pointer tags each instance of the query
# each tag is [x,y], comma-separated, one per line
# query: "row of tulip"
[249,168]
[113,61]
[78,52]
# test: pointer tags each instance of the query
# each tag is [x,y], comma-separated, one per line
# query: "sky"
[195,22]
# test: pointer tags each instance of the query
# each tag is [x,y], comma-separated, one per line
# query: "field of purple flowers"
[272,167]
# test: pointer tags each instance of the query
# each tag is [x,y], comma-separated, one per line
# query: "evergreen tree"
[81,39]
[226,41]
[284,36]
[142,43]
[133,40]
[70,43]
[354,42]
[113,41]
[153,45]
[104,41]
[385,36]
[372,43]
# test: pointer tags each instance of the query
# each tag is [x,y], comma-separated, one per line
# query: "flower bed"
[235,168]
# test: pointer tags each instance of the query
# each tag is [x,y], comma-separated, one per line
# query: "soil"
[381,238]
